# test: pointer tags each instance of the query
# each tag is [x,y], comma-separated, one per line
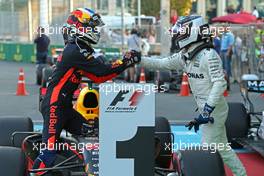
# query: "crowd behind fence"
[15,28]
[246,58]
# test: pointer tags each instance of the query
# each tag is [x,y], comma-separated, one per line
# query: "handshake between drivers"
[131,58]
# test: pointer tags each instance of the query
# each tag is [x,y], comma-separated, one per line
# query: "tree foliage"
[183,7]
[149,7]
[152,7]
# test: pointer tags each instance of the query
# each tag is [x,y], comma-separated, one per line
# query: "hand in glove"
[202,118]
[131,57]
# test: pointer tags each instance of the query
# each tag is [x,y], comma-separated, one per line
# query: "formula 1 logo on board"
[119,103]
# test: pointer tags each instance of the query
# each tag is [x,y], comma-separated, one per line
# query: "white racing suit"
[207,82]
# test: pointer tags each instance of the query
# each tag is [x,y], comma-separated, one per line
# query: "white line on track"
[7,93]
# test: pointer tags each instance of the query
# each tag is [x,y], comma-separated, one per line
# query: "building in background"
[20,19]
[213,8]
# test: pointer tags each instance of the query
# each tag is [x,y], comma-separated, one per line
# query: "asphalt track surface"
[175,108]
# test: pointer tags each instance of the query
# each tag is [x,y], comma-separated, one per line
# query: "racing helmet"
[190,30]
[84,23]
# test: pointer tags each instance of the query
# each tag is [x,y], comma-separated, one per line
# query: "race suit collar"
[194,49]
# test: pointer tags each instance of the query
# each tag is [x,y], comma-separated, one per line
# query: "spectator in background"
[241,10]
[145,47]
[42,42]
[134,43]
[174,16]
[158,19]
[217,43]
[261,67]
[126,36]
[244,54]
[255,12]
[237,59]
[230,9]
[261,60]
[151,37]
[257,39]
[227,41]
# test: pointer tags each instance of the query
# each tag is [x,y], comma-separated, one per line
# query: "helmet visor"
[96,21]
[180,32]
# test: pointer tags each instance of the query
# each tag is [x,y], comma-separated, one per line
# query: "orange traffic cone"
[142,78]
[21,85]
[185,90]
[226,94]
[262,95]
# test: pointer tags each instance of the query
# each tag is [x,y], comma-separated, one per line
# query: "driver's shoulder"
[207,54]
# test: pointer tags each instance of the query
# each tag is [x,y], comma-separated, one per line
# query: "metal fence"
[20,19]
[13,27]
[246,56]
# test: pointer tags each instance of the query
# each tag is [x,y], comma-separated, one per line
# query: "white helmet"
[190,30]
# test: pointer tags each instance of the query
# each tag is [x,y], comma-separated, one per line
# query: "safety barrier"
[27,52]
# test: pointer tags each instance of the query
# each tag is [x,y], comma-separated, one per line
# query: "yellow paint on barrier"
[33,59]
[2,54]
[18,56]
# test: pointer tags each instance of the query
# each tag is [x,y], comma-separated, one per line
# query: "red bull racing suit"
[57,108]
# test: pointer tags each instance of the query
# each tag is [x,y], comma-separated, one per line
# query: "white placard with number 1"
[126,130]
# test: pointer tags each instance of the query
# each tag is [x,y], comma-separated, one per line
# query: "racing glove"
[202,118]
[131,58]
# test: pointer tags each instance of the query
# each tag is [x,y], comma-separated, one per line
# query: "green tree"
[183,7]
[148,7]
[152,7]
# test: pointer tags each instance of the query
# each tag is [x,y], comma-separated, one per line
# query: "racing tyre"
[165,76]
[194,162]
[15,124]
[237,123]
[12,162]
[38,79]
[162,77]
[163,134]
[39,73]
[46,74]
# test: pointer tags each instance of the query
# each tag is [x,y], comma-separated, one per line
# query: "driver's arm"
[99,79]
[100,72]
[173,62]
[216,74]
[91,67]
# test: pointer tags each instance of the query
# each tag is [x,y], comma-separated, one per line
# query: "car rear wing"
[255,86]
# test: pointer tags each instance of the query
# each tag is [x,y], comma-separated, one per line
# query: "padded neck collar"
[194,49]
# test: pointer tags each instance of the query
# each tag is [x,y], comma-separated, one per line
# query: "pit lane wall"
[27,52]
